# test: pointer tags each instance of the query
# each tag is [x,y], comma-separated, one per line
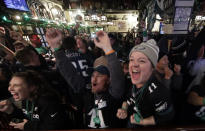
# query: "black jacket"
[153,99]
[45,113]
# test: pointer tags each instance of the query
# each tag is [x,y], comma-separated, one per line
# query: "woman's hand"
[6,106]
[121,113]
[18,125]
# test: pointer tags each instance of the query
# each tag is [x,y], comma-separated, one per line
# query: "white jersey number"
[82,66]
[93,115]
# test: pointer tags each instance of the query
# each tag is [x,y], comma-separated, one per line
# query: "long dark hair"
[42,87]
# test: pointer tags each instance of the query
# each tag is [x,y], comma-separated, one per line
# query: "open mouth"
[135,74]
[94,84]
[15,95]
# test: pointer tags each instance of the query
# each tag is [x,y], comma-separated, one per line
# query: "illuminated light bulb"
[132,19]
[103,18]
[36,18]
[54,11]
[18,17]
[79,11]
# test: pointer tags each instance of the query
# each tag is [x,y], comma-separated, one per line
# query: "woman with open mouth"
[148,101]
[41,108]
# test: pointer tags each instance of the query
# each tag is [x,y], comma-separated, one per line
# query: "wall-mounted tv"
[17,4]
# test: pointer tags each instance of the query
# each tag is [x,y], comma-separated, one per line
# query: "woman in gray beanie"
[148,102]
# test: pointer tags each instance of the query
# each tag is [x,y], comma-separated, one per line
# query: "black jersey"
[153,99]
[46,113]
[101,111]
[196,114]
[81,63]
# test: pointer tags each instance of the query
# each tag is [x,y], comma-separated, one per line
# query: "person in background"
[115,44]
[31,61]
[138,40]
[5,38]
[197,68]
[41,108]
[148,102]
[79,60]
[81,64]
[83,48]
[19,45]
[17,36]
[28,57]
[168,76]
[196,104]
[36,43]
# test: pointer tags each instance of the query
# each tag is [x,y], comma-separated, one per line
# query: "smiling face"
[19,89]
[99,82]
[140,69]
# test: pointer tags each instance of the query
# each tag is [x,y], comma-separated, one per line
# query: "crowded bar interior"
[102,65]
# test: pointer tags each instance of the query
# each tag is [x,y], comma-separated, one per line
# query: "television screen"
[182,18]
[16,4]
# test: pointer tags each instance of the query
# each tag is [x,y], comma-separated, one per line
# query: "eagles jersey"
[80,63]
[152,99]
[44,114]
[195,114]
[101,111]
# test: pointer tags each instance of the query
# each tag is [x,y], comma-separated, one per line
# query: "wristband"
[110,52]
[137,118]
[203,101]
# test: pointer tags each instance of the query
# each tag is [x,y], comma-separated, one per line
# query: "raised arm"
[116,74]
[9,53]
[54,38]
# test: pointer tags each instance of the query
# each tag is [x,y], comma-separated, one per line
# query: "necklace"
[138,96]
[30,111]
[97,119]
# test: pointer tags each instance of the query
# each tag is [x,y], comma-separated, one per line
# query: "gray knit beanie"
[149,48]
